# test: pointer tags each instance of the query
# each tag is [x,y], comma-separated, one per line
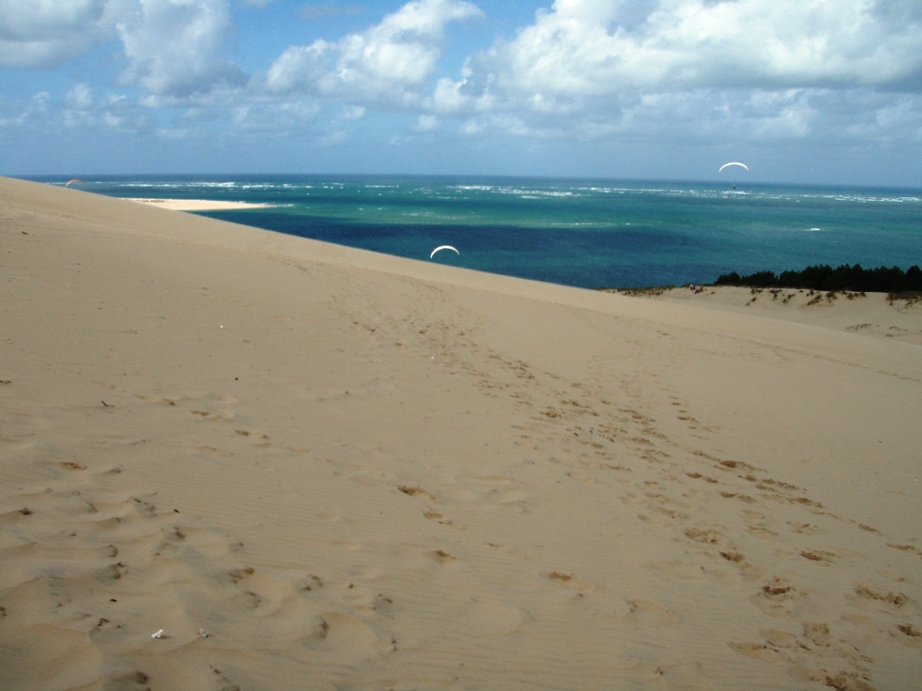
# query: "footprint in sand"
[759,651]
[842,667]
[309,583]
[705,536]
[758,524]
[818,556]
[778,598]
[570,581]
[905,548]
[71,465]
[10,518]
[113,555]
[439,518]
[247,600]
[440,556]
[223,681]
[345,636]
[779,639]
[910,635]
[135,679]
[732,556]
[805,528]
[416,491]
[867,595]
[193,541]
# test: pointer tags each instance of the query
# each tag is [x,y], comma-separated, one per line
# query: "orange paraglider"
[71,182]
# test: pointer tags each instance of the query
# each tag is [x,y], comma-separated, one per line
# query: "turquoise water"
[588,233]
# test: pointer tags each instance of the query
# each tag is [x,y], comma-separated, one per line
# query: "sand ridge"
[359,472]
[874,314]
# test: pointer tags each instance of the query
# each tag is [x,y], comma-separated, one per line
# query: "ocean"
[585,233]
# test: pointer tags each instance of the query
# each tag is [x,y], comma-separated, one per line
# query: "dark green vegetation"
[823,277]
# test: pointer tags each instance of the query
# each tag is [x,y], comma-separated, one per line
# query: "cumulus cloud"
[711,117]
[699,70]
[391,62]
[692,71]
[587,49]
[82,108]
[176,47]
[44,33]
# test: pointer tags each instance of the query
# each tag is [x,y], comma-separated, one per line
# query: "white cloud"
[353,112]
[273,118]
[470,127]
[580,50]
[661,72]
[699,70]
[44,33]
[80,97]
[389,63]
[427,123]
[780,114]
[36,109]
[176,47]
[80,108]
[40,102]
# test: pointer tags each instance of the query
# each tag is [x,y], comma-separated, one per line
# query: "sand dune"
[870,314]
[321,468]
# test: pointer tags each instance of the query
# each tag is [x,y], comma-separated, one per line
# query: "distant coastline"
[197,204]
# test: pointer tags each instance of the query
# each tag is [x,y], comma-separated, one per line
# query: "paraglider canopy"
[444,247]
[733,163]
[75,180]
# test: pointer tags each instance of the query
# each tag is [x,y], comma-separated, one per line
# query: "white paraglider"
[444,247]
[733,163]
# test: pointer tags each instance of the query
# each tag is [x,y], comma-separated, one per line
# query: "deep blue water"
[587,233]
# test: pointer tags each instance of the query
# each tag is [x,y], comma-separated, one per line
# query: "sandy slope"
[870,314]
[353,471]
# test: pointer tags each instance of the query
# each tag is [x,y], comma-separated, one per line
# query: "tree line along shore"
[892,280]
[898,284]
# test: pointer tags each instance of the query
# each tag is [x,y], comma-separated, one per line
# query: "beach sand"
[198,204]
[313,467]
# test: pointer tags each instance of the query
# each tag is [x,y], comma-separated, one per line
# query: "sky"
[802,91]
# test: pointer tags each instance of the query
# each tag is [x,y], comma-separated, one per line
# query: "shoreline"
[196,204]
